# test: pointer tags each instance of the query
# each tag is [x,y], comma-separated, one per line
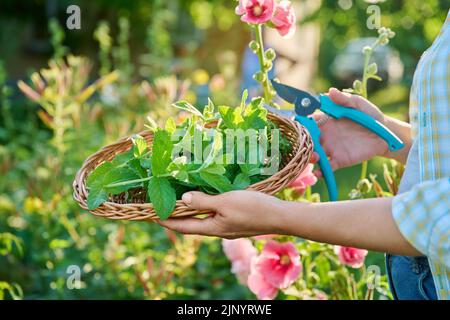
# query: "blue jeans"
[410,278]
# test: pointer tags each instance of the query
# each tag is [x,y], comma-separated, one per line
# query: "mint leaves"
[109,178]
[162,152]
[162,195]
[169,167]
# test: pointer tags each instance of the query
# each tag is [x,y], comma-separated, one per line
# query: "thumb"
[200,201]
[343,98]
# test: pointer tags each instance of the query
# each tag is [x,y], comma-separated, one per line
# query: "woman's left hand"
[236,214]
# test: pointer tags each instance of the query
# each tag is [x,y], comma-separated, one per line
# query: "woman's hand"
[346,142]
[236,214]
[366,224]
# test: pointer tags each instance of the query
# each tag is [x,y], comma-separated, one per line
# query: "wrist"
[403,131]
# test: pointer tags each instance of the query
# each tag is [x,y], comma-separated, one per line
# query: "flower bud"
[357,85]
[270,54]
[391,34]
[268,65]
[382,30]
[384,39]
[372,68]
[364,185]
[259,76]
[367,50]
[273,93]
[254,46]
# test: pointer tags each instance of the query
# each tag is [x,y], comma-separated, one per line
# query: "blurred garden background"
[132,59]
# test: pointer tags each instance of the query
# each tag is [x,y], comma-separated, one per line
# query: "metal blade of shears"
[284,113]
[305,103]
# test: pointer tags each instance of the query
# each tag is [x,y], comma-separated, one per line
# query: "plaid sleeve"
[423,217]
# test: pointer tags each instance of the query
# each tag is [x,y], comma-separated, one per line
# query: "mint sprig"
[164,174]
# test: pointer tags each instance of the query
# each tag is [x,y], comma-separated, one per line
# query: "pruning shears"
[306,104]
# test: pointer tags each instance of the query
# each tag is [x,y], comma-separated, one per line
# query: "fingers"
[343,98]
[317,172]
[319,116]
[190,225]
[200,201]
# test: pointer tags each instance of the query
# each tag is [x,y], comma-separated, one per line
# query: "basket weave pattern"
[291,166]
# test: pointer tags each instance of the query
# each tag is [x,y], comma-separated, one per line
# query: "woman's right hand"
[346,142]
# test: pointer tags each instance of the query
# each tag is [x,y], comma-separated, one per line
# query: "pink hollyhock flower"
[305,179]
[284,19]
[259,286]
[349,256]
[255,11]
[279,264]
[240,252]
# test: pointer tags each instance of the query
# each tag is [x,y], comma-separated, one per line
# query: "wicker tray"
[291,166]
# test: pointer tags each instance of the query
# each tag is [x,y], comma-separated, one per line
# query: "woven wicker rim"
[291,166]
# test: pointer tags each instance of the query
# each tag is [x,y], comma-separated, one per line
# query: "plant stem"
[308,193]
[124,183]
[364,167]
[365,75]
[364,93]
[262,62]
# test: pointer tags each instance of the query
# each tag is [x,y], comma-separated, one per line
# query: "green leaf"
[231,117]
[119,175]
[96,197]
[104,175]
[255,115]
[208,111]
[146,163]
[123,158]
[152,126]
[161,152]
[214,169]
[217,181]
[250,169]
[372,69]
[59,243]
[242,181]
[95,178]
[375,77]
[186,106]
[178,169]
[162,196]
[181,175]
[244,99]
[7,240]
[323,268]
[257,103]
[215,149]
[140,146]
[178,163]
[185,143]
[170,126]
[136,166]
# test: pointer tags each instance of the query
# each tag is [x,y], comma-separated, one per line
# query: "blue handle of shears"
[336,111]
[311,125]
